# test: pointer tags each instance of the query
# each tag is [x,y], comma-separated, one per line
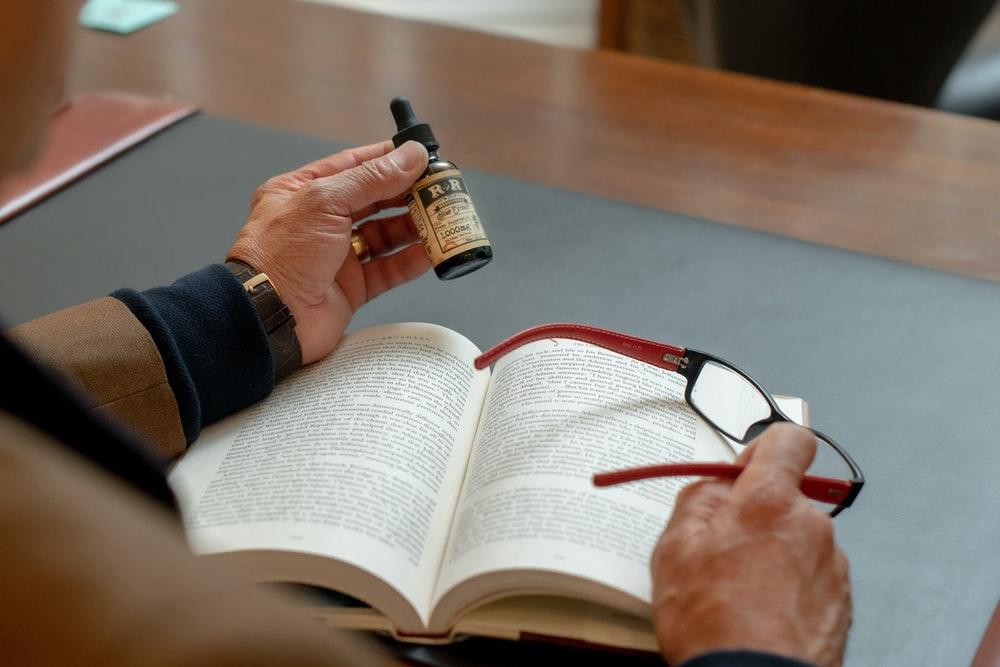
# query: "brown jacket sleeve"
[102,349]
[93,573]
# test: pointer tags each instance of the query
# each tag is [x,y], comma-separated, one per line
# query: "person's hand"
[751,564]
[299,234]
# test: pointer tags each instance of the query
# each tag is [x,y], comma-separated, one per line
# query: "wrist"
[275,316]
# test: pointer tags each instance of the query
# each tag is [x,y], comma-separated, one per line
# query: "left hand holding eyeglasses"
[751,563]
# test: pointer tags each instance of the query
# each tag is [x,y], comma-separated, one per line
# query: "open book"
[453,501]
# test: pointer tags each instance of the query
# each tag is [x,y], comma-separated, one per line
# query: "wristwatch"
[275,316]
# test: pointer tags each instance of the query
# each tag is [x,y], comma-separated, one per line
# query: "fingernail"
[409,156]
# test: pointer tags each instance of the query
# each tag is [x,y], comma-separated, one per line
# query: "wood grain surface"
[886,179]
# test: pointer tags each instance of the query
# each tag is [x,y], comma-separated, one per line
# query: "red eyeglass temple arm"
[823,489]
[657,354]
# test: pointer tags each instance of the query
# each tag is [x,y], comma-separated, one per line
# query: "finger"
[375,180]
[291,181]
[697,503]
[385,235]
[747,453]
[384,273]
[780,457]
[345,159]
[398,201]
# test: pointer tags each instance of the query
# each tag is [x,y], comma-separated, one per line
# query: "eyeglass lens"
[733,404]
[728,400]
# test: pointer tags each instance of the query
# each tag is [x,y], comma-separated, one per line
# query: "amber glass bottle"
[440,204]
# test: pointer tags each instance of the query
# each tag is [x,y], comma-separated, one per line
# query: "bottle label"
[445,216]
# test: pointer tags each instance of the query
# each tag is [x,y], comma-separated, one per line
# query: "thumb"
[777,459]
[372,181]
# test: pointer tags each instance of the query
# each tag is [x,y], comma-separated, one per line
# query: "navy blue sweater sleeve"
[213,344]
[742,659]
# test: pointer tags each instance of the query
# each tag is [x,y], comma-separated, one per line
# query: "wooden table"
[901,182]
[906,183]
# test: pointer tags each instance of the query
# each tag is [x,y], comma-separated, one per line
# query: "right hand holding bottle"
[751,564]
[299,234]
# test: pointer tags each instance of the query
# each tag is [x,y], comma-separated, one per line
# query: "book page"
[558,411]
[359,456]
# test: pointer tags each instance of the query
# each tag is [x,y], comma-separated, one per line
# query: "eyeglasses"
[732,403]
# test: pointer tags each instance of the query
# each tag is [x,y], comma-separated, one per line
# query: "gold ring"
[360,246]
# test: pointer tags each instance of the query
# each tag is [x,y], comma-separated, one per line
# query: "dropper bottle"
[440,204]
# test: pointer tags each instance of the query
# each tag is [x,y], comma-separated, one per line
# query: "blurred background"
[932,53]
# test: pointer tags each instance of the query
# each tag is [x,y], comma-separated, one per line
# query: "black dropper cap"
[408,127]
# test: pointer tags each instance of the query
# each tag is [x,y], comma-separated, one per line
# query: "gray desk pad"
[900,364]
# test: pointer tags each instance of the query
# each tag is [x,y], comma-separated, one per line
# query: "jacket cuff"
[743,659]
[213,345]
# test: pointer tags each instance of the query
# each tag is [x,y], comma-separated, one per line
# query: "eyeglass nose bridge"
[758,428]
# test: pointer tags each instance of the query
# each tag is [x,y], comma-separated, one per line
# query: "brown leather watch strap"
[274,314]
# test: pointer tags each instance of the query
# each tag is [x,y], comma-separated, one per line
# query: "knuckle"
[269,187]
[260,193]
[378,170]
[315,196]
[769,500]
[309,190]
[349,189]
[309,196]
[703,490]
[688,493]
[274,181]
[316,205]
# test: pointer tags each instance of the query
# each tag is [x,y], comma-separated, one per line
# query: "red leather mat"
[87,131]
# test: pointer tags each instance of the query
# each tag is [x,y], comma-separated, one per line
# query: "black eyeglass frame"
[690,366]
[686,361]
